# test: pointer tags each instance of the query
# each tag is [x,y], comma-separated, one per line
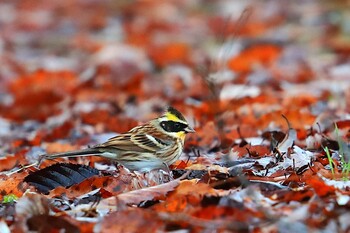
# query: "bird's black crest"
[176,113]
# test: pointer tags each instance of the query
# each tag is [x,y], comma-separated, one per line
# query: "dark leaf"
[60,174]
[275,137]
[194,174]
[331,144]
[46,223]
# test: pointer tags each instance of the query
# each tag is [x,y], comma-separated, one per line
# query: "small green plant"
[346,170]
[9,198]
[330,160]
[344,155]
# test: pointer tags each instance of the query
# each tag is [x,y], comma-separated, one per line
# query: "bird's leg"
[166,168]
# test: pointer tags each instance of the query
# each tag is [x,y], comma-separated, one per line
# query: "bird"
[154,145]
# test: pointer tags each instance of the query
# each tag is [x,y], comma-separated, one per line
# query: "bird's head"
[173,123]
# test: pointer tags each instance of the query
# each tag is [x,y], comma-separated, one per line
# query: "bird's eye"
[165,126]
[162,124]
[171,126]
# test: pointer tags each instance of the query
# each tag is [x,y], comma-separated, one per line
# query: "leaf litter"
[238,71]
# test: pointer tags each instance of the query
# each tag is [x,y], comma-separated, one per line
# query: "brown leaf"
[146,194]
[13,184]
[131,220]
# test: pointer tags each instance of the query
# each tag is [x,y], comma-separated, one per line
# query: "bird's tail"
[77,153]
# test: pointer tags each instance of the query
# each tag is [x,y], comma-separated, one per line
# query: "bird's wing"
[137,140]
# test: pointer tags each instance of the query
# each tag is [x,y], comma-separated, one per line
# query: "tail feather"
[84,152]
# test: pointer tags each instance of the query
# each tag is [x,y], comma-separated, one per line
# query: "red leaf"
[263,54]
[320,187]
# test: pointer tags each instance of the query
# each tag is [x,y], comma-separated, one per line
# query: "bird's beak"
[189,129]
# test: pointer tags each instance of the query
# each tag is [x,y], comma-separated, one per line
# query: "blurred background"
[113,64]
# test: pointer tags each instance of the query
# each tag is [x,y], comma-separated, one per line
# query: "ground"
[265,84]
